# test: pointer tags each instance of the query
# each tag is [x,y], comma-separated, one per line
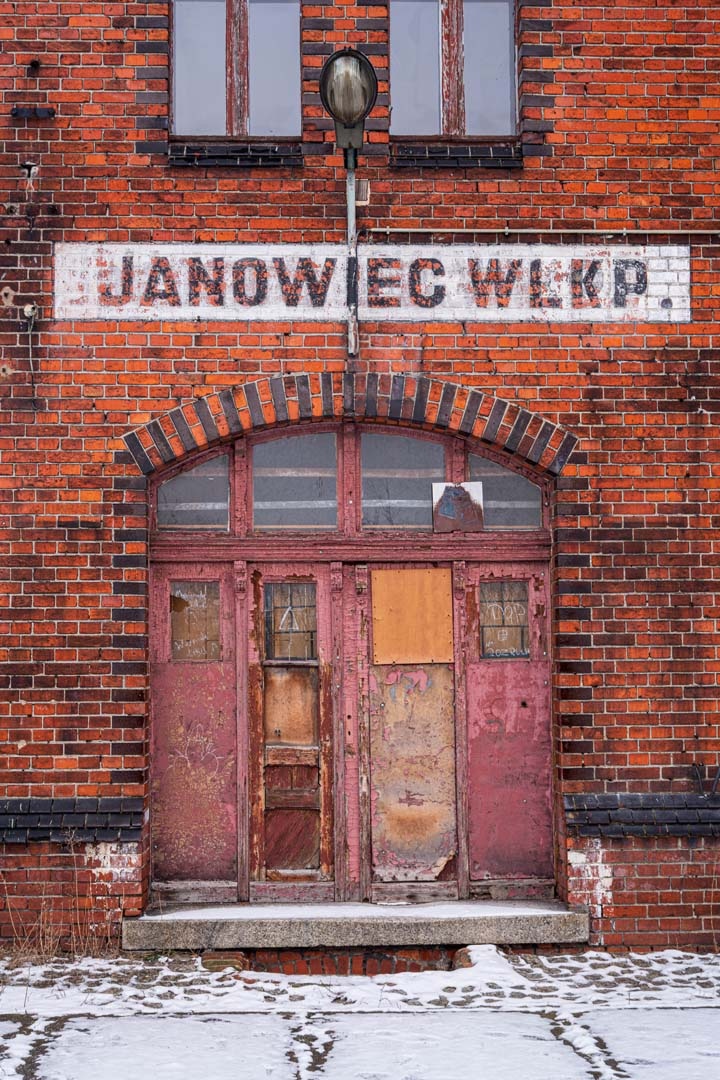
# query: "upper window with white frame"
[452,67]
[236,68]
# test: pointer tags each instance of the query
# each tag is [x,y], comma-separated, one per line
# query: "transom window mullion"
[236,66]
[452,65]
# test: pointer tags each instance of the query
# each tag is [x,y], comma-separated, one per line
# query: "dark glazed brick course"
[68,820]
[234,154]
[643,814]
[456,156]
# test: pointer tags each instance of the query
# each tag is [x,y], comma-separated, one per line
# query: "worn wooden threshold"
[298,926]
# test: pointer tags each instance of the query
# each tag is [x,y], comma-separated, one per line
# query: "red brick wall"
[68,896]
[330,961]
[620,130]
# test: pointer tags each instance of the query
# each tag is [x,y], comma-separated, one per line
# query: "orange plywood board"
[412,616]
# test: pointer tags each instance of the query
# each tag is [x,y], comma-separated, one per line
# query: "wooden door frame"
[346,553]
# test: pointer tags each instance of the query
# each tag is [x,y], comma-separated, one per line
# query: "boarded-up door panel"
[412,616]
[194,784]
[412,751]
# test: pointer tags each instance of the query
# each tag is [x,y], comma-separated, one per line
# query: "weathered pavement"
[565,1017]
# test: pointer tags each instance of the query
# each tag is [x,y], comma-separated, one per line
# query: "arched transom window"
[351,481]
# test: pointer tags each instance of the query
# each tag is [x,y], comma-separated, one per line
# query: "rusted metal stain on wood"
[291,706]
[412,749]
[412,617]
[194,818]
[509,769]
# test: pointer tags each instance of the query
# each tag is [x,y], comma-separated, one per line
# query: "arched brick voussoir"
[407,400]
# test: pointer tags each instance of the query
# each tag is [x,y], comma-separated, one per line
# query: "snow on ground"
[563,1017]
[667,1044]
[483,1046]
[215,1048]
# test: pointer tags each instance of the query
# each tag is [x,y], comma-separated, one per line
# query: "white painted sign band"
[476,283]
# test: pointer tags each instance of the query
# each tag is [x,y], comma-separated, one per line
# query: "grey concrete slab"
[255,926]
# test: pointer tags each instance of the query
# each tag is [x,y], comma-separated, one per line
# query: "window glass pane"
[509,500]
[397,478]
[489,67]
[195,620]
[274,67]
[199,67]
[290,621]
[415,67]
[504,619]
[196,499]
[295,483]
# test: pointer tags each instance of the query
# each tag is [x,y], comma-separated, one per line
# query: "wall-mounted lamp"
[348,89]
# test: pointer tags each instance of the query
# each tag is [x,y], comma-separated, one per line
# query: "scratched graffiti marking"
[504,630]
[193,800]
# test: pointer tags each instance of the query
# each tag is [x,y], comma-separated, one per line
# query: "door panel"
[291,724]
[447,772]
[509,733]
[291,706]
[194,783]
[413,821]
[412,750]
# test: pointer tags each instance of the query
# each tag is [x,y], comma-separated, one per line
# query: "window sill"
[436,154]
[243,155]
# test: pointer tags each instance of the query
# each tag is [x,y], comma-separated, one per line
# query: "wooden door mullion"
[242,729]
[460,633]
[336,755]
[362,579]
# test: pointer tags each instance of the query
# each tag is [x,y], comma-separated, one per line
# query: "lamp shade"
[348,87]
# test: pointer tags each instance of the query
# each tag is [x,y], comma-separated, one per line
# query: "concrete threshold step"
[312,926]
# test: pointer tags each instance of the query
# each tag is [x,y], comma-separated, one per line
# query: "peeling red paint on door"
[382,731]
[509,753]
[290,717]
[194,788]
[412,753]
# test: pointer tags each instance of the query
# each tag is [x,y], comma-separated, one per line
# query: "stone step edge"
[147,934]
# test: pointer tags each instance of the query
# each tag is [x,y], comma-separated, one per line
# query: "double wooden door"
[349,731]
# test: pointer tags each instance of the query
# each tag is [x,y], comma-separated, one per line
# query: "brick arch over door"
[410,401]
